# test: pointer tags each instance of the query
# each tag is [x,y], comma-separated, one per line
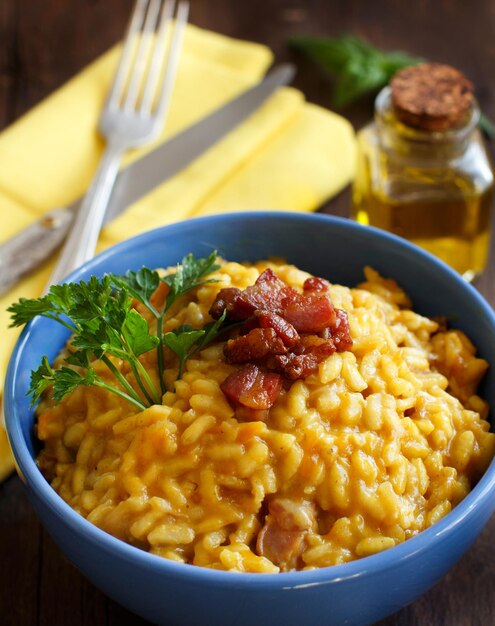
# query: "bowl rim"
[359,568]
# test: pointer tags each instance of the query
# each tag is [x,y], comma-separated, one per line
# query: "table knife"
[24,252]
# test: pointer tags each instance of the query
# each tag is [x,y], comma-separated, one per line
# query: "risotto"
[377,443]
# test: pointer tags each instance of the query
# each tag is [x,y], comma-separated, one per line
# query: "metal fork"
[134,114]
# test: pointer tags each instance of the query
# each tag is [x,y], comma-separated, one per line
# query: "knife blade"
[24,252]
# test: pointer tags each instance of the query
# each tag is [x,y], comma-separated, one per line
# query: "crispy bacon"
[252,387]
[283,536]
[267,294]
[269,276]
[249,325]
[283,330]
[225,300]
[257,344]
[315,284]
[341,332]
[305,356]
[308,313]
[282,547]
[281,326]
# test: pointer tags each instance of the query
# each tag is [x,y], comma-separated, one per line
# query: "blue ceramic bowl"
[169,593]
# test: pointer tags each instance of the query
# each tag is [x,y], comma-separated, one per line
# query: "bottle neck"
[414,144]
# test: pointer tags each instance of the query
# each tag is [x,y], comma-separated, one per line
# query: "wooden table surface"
[42,44]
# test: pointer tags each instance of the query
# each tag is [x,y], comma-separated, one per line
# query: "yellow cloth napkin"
[289,155]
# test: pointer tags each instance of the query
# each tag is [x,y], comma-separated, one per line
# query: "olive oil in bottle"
[431,186]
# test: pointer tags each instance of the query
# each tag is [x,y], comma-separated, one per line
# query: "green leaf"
[80,358]
[102,322]
[95,338]
[61,296]
[25,310]
[136,333]
[89,301]
[358,67]
[356,82]
[56,303]
[188,275]
[141,284]
[147,281]
[194,269]
[41,379]
[66,380]
[332,54]
[181,342]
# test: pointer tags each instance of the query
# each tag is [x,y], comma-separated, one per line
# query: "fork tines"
[145,47]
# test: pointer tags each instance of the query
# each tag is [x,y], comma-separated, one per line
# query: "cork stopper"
[431,97]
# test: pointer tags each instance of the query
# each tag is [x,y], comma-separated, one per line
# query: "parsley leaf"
[185,341]
[188,275]
[41,379]
[81,358]
[103,323]
[181,343]
[53,306]
[141,284]
[66,380]
[136,333]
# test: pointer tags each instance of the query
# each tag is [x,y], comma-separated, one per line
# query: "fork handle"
[81,243]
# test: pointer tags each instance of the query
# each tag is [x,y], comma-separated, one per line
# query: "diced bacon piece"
[252,387]
[305,356]
[269,276]
[283,536]
[308,313]
[313,344]
[341,332]
[225,300]
[282,327]
[315,284]
[286,330]
[282,547]
[266,294]
[257,344]
[249,325]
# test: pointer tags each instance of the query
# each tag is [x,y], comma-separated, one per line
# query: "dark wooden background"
[42,44]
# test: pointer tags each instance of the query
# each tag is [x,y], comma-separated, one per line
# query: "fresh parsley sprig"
[104,323]
[142,285]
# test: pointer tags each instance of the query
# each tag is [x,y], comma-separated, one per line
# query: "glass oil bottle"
[433,188]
